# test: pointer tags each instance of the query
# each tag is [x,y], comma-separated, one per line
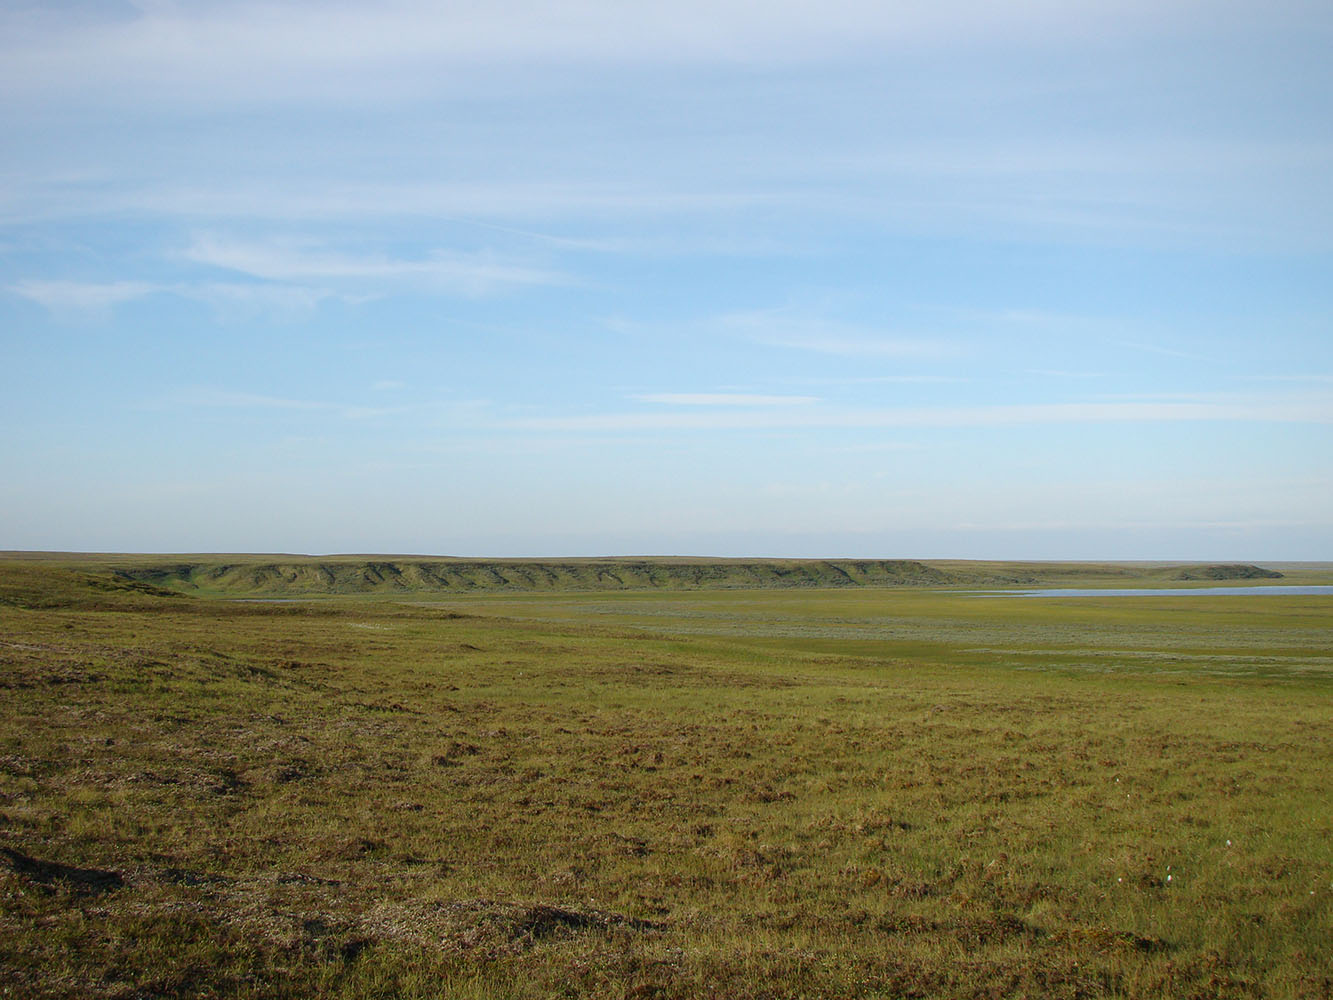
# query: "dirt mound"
[86,881]
[506,928]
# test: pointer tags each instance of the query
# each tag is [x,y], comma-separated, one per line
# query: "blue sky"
[1046,280]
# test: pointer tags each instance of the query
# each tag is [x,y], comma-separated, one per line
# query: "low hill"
[51,579]
[370,575]
[36,586]
[1228,571]
[420,575]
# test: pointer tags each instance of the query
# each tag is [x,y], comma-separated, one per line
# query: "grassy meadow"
[806,791]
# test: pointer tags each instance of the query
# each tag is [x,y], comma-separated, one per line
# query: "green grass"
[757,793]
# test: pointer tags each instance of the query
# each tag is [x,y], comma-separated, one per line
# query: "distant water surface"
[1274,590]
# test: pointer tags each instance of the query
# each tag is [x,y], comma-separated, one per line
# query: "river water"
[1273,590]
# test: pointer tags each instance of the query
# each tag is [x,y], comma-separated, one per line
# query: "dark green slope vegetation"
[34,586]
[1228,571]
[369,575]
[50,579]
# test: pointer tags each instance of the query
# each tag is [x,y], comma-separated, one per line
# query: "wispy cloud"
[918,169]
[229,399]
[875,447]
[1169,352]
[465,273]
[323,197]
[787,328]
[454,411]
[722,399]
[879,380]
[1308,377]
[860,347]
[908,379]
[302,50]
[82,296]
[1215,397]
[640,244]
[95,297]
[1319,412]
[228,296]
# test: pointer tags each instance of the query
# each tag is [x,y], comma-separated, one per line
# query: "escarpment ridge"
[224,575]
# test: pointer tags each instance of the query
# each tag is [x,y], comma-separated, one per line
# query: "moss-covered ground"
[818,792]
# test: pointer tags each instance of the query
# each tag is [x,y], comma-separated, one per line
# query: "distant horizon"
[448,557]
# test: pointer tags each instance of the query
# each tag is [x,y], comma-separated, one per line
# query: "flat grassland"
[818,791]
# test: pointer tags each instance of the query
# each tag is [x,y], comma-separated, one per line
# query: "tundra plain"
[734,782]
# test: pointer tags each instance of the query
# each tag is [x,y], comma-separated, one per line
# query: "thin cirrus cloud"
[785,328]
[1307,377]
[229,399]
[722,399]
[82,296]
[226,399]
[64,297]
[1115,203]
[229,296]
[443,270]
[860,346]
[224,51]
[1280,411]
[324,197]
[939,170]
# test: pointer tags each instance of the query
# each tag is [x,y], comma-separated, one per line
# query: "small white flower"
[1168,878]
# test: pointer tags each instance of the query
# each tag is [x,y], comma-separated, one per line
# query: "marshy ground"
[822,792]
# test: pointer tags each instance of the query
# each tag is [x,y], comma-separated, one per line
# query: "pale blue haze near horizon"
[1029,280]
